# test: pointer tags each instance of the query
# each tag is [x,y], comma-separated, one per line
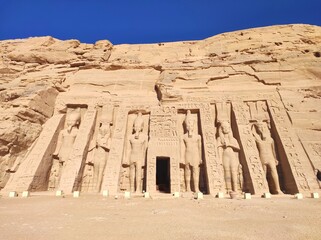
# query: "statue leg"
[196,175]
[275,178]
[187,175]
[139,178]
[99,177]
[234,178]
[227,174]
[132,177]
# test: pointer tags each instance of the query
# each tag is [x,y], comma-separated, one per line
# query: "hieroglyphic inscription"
[314,152]
[214,167]
[163,122]
[256,180]
[300,166]
[112,170]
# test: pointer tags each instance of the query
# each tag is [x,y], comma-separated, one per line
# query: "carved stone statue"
[136,153]
[191,153]
[228,148]
[265,145]
[102,147]
[64,146]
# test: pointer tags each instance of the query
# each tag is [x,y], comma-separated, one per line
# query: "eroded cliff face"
[35,71]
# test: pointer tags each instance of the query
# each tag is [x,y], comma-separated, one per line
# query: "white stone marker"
[247,196]
[13,194]
[146,195]
[127,195]
[59,193]
[298,196]
[315,195]
[25,194]
[105,193]
[199,195]
[76,194]
[266,195]
[176,194]
[220,195]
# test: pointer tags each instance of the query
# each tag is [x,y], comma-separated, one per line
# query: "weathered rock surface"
[34,71]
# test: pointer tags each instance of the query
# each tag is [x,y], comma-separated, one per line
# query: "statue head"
[260,129]
[226,128]
[138,124]
[73,120]
[104,129]
[189,123]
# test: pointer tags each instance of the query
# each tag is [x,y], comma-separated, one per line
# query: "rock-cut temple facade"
[237,112]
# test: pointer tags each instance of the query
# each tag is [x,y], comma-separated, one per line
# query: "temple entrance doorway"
[163,182]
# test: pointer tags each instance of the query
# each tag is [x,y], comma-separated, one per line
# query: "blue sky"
[147,21]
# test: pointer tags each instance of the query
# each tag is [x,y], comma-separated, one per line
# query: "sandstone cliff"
[34,71]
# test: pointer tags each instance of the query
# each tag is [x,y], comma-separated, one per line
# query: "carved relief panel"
[163,152]
[298,170]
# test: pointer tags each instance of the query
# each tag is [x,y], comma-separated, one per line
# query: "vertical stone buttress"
[112,170]
[298,172]
[213,166]
[33,172]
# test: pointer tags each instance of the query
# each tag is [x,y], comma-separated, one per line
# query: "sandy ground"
[95,217]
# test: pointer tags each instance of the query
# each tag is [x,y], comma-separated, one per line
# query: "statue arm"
[234,144]
[182,150]
[220,149]
[127,152]
[254,133]
[200,148]
[274,153]
[59,144]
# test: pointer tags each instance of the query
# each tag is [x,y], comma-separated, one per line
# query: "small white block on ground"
[146,195]
[105,193]
[199,195]
[76,194]
[25,194]
[176,194]
[298,196]
[220,195]
[59,193]
[247,196]
[267,195]
[13,194]
[315,195]
[127,194]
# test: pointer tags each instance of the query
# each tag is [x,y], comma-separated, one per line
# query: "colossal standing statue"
[228,148]
[135,154]
[265,145]
[64,146]
[191,153]
[101,155]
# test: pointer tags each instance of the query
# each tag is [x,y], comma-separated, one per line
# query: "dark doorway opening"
[163,182]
